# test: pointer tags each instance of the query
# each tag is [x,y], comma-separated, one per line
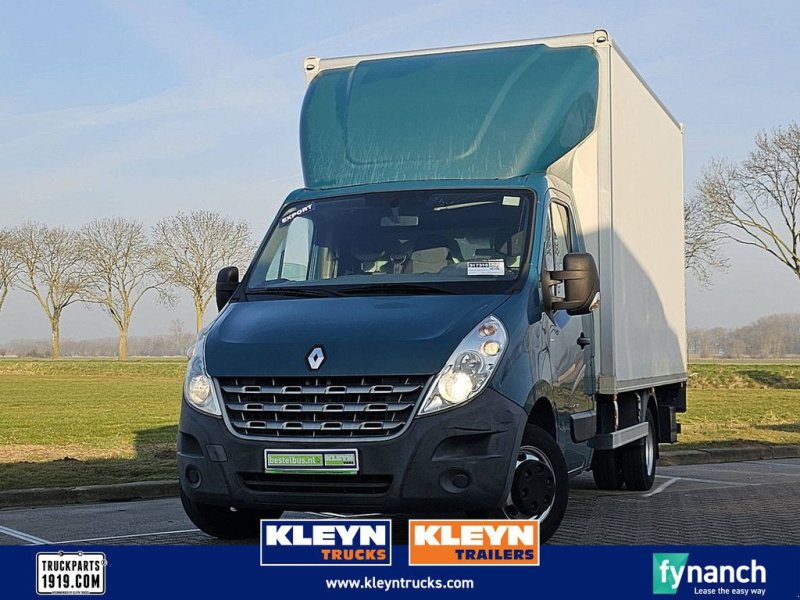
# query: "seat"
[513,249]
[369,255]
[431,254]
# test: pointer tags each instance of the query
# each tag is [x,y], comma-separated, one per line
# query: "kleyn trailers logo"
[671,570]
[326,542]
[473,542]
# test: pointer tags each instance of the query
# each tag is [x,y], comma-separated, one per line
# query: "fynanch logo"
[667,572]
[671,570]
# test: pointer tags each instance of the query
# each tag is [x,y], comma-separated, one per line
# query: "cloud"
[179,34]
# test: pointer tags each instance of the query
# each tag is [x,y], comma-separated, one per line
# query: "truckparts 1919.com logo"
[326,542]
[71,573]
[671,570]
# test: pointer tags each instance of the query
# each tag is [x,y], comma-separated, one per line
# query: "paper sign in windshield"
[486,267]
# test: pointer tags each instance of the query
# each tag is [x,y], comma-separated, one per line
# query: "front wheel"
[540,488]
[224,523]
[639,459]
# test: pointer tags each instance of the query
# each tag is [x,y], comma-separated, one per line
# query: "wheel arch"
[543,415]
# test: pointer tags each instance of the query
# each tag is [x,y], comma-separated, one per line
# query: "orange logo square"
[473,542]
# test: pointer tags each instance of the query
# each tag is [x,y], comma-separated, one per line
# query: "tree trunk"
[55,338]
[199,310]
[122,354]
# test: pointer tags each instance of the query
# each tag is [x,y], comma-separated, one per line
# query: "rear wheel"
[639,459]
[607,470]
[223,522]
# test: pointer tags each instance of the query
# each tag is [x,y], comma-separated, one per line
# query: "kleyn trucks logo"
[670,571]
[471,542]
[326,542]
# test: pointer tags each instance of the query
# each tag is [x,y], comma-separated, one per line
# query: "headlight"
[469,368]
[198,388]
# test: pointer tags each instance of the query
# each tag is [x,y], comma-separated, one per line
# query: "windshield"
[456,242]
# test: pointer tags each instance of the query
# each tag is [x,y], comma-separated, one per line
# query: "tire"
[222,522]
[607,470]
[542,442]
[639,459]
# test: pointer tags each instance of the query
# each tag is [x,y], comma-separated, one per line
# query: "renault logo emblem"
[315,358]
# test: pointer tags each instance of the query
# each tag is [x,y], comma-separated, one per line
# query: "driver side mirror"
[581,285]
[227,282]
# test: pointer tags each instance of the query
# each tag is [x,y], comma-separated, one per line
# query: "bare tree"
[758,201]
[9,264]
[703,240]
[192,247]
[50,261]
[118,270]
[180,339]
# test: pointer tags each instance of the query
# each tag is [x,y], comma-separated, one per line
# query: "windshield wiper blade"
[393,288]
[292,291]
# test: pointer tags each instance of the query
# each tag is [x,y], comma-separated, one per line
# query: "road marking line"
[768,472]
[661,488]
[783,464]
[21,535]
[122,537]
[705,480]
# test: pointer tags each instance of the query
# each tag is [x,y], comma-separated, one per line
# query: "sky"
[141,109]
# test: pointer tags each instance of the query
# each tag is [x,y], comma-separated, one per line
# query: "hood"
[374,335]
[494,113]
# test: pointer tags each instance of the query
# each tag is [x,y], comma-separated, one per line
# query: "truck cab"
[420,331]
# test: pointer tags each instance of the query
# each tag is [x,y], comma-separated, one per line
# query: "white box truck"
[478,294]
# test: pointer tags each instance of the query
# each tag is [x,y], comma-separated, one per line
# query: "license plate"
[344,462]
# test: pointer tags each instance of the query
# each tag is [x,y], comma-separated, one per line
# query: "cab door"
[567,337]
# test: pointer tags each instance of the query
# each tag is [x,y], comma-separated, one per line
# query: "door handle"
[583,341]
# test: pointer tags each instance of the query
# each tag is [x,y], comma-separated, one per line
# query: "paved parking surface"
[732,503]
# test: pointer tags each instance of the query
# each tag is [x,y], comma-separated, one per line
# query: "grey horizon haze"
[144,109]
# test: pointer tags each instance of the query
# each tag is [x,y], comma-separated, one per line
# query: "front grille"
[365,485]
[320,407]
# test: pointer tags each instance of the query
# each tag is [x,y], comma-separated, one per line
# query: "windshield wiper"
[409,289]
[292,291]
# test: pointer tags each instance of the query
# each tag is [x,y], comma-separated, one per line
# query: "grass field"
[82,422]
[740,403]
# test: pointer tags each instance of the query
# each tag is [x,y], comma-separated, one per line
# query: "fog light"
[193,477]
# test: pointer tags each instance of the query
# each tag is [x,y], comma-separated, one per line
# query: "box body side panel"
[649,309]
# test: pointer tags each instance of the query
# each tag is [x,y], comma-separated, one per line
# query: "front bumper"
[461,459]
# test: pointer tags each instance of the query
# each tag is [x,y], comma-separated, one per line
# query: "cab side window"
[562,238]
[548,263]
[558,241]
